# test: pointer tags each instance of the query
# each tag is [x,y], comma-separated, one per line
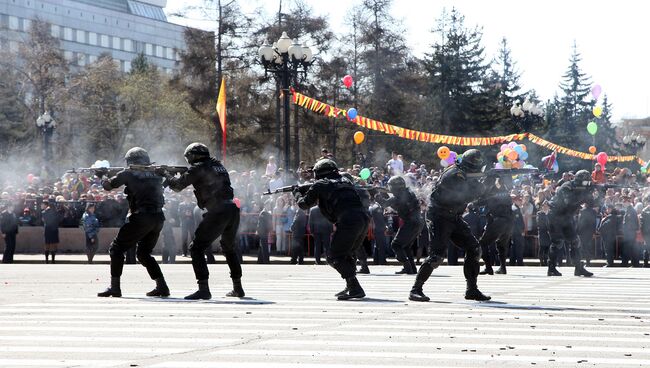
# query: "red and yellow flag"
[221,112]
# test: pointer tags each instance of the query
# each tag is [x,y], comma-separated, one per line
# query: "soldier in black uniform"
[404,201]
[542,231]
[145,196]
[339,202]
[213,193]
[564,204]
[365,249]
[379,229]
[449,198]
[500,220]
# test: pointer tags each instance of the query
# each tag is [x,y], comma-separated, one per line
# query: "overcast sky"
[611,37]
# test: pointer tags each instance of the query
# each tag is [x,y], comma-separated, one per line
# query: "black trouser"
[442,230]
[92,243]
[587,244]
[562,230]
[223,222]
[263,252]
[10,247]
[351,229]
[187,231]
[517,247]
[142,230]
[498,230]
[406,235]
[380,246]
[544,244]
[609,247]
[321,243]
[297,249]
[630,251]
[169,245]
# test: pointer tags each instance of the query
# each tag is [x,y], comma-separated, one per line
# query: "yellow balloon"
[598,110]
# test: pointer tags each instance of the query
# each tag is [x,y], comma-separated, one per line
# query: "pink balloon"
[601,158]
[512,145]
[596,90]
[498,166]
[347,81]
[237,202]
[503,147]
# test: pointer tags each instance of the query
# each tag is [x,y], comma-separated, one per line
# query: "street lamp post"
[634,142]
[46,124]
[526,114]
[285,59]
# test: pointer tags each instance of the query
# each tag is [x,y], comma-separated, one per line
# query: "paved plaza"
[50,317]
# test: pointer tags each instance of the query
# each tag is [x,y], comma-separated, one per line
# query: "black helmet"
[196,152]
[472,161]
[396,183]
[137,156]
[582,178]
[325,168]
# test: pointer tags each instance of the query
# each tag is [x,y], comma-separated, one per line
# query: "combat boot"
[364,269]
[581,271]
[113,290]
[552,270]
[237,290]
[416,294]
[487,271]
[161,290]
[476,294]
[355,291]
[202,293]
[502,270]
[342,292]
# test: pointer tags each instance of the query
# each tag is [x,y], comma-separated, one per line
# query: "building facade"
[88,28]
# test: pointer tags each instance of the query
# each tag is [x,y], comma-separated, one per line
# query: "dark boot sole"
[353,296]
[419,298]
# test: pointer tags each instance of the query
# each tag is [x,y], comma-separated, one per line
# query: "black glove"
[163,172]
[101,173]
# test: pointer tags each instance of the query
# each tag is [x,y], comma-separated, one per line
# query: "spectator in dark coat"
[608,230]
[517,242]
[630,227]
[321,230]
[91,229]
[587,223]
[51,220]
[542,231]
[298,230]
[9,229]
[645,231]
[264,228]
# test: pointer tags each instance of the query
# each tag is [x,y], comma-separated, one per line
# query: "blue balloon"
[352,113]
[523,155]
[519,150]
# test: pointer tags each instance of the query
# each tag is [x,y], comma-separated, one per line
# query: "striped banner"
[405,133]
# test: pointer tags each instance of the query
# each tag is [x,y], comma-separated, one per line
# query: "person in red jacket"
[598,175]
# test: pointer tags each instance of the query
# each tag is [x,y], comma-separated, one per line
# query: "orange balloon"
[592,149]
[512,155]
[359,137]
[443,152]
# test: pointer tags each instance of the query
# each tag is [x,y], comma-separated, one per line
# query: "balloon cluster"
[592,127]
[447,157]
[512,156]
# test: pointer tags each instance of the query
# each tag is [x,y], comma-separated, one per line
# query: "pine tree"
[605,138]
[457,72]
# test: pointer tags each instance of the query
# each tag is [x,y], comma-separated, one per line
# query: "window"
[105,41]
[56,31]
[92,38]
[128,45]
[148,49]
[81,36]
[127,66]
[116,43]
[170,53]
[67,33]
[81,59]
[67,55]
[13,23]
[26,24]
[92,58]
[159,51]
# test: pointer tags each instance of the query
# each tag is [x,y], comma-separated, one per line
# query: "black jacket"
[453,191]
[587,221]
[609,226]
[318,223]
[333,196]
[404,202]
[143,189]
[211,184]
[8,223]
[568,199]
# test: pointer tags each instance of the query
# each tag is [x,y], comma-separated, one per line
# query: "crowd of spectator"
[268,224]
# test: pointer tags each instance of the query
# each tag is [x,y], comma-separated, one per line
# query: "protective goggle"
[586,183]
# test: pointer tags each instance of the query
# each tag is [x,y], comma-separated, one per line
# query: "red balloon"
[237,202]
[347,81]
[601,158]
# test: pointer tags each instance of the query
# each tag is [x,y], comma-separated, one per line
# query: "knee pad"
[113,251]
[433,261]
[474,253]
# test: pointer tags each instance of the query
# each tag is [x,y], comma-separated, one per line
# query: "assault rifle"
[161,170]
[502,172]
[301,188]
